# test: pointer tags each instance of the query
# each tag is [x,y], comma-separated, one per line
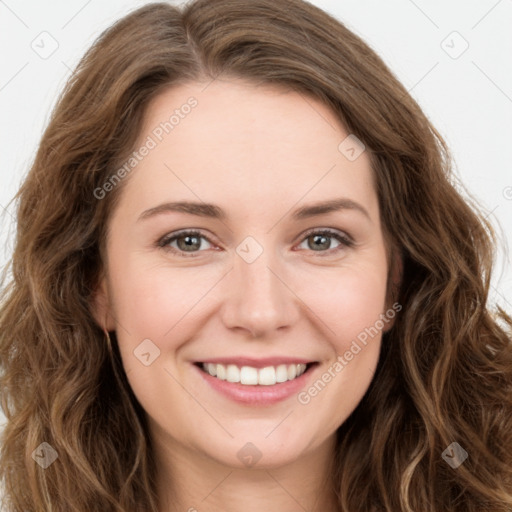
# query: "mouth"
[247,375]
[256,381]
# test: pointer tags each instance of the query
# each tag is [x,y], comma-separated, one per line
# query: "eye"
[187,242]
[320,241]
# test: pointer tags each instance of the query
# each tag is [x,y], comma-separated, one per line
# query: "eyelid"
[330,231]
[163,241]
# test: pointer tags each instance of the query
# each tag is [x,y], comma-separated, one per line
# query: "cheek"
[150,301]
[350,308]
[157,303]
[346,302]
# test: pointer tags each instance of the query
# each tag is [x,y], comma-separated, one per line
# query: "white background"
[468,98]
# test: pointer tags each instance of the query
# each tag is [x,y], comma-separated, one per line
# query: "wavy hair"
[445,368]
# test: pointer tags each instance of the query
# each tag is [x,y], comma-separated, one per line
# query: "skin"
[258,152]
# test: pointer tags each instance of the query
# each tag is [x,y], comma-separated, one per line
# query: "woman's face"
[257,289]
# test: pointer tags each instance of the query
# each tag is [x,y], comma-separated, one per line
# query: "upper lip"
[256,363]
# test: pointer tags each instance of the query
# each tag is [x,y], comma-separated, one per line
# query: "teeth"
[282,373]
[250,376]
[232,373]
[221,372]
[267,376]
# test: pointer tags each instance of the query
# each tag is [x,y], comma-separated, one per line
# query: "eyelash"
[163,243]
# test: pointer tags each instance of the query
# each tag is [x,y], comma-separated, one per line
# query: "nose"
[259,297]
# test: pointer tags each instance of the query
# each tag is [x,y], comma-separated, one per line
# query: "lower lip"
[257,395]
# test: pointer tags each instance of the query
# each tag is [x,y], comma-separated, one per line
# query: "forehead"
[270,114]
[233,139]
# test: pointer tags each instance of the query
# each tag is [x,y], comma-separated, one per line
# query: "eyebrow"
[215,212]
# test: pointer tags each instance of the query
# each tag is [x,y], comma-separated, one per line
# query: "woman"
[243,278]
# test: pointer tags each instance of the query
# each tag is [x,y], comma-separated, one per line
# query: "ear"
[101,307]
[394,282]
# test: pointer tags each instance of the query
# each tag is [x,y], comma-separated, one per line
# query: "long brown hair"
[445,369]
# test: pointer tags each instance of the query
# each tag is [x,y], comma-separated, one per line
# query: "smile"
[251,376]
[256,381]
